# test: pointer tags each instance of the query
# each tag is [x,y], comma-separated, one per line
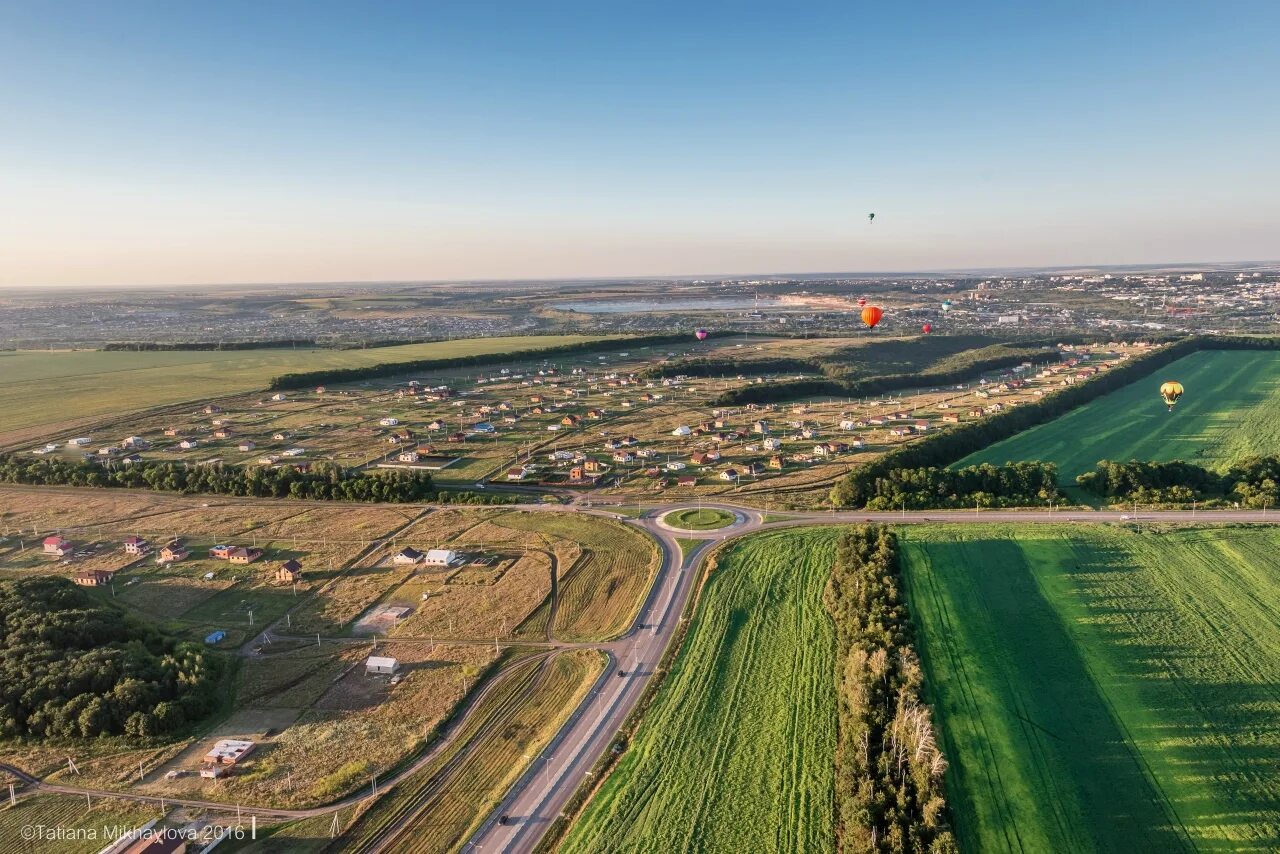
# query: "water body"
[636,306]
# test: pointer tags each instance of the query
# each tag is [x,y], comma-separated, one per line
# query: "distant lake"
[636,306]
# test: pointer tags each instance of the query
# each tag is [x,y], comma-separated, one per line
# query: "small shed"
[215,637]
[381,665]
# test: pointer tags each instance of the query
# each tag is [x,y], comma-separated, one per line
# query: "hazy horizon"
[154,145]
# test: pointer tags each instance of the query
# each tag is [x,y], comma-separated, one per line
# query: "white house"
[441,557]
[407,556]
[381,665]
[389,421]
[682,431]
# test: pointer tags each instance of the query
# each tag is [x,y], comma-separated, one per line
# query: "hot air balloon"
[927,328]
[871,217]
[862,301]
[1171,391]
[871,316]
[701,334]
[946,305]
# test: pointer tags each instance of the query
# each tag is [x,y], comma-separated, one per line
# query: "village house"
[135,443]
[57,546]
[224,755]
[407,456]
[623,457]
[687,480]
[440,557]
[761,427]
[247,445]
[729,474]
[776,462]
[136,546]
[951,418]
[212,409]
[407,556]
[171,431]
[188,444]
[244,554]
[174,552]
[93,578]
[517,473]
[222,433]
[290,572]
[380,665]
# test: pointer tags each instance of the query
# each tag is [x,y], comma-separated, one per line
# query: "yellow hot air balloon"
[1171,391]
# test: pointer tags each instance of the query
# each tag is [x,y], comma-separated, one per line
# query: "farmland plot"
[1100,689]
[736,752]
[1231,410]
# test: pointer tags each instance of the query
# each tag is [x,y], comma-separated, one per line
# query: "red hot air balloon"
[701,334]
[862,301]
[927,328]
[871,316]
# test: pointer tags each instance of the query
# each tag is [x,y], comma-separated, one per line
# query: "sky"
[150,143]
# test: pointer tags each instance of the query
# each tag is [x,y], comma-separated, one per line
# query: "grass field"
[699,519]
[736,752]
[602,591]
[1103,690]
[1231,409]
[40,387]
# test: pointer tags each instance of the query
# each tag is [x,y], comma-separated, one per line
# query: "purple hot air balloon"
[702,334]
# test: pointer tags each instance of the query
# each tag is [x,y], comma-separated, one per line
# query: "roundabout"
[700,520]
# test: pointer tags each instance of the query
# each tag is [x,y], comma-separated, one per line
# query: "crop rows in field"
[73,816]
[600,594]
[1231,410]
[736,752]
[1104,690]
[439,806]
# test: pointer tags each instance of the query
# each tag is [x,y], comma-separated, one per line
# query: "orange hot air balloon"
[927,328]
[871,316]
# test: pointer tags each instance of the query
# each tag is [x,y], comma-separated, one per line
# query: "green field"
[43,387]
[1231,409]
[735,754]
[1100,689]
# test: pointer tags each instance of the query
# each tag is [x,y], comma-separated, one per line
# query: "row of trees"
[307,379]
[73,667]
[985,485]
[1253,482]
[889,769]
[322,481]
[958,368]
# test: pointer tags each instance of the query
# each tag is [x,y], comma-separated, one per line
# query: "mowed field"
[736,752]
[47,387]
[1231,409]
[1103,690]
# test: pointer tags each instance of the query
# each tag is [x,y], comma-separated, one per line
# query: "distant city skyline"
[150,143]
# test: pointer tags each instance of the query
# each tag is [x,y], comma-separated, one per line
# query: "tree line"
[330,376]
[985,485]
[1253,482]
[74,667]
[889,769]
[323,481]
[951,370]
